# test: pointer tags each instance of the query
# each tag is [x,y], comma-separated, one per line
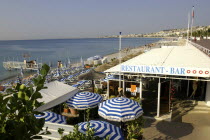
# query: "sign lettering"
[198,72]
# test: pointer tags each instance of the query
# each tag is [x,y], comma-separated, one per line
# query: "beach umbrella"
[18,80]
[91,75]
[58,73]
[52,117]
[21,71]
[84,100]
[82,62]
[120,109]
[97,57]
[102,129]
[69,62]
[90,59]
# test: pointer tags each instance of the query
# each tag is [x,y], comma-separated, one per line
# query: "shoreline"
[125,51]
[123,54]
[13,77]
[130,51]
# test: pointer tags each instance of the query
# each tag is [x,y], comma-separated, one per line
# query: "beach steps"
[182,108]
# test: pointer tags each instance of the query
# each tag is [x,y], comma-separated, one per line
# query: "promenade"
[204,42]
[194,126]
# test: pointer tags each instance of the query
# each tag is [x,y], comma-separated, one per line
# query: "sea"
[50,51]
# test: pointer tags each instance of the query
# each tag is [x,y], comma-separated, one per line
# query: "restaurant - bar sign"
[198,72]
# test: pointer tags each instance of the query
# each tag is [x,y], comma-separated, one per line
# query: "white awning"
[176,60]
[56,93]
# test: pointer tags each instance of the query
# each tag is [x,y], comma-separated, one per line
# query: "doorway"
[165,97]
[197,90]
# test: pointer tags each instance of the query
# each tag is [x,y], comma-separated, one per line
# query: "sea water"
[50,51]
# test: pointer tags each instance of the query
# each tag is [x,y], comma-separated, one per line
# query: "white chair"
[105,97]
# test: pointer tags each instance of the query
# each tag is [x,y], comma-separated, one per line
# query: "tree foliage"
[17,120]
[77,135]
[135,128]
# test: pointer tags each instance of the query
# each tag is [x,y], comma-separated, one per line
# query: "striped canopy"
[52,117]
[84,100]
[120,109]
[102,129]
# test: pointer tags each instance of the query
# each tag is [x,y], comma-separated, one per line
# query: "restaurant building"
[172,71]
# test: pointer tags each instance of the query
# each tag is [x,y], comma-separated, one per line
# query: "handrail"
[203,49]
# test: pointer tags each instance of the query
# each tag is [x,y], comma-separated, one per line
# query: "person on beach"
[59,64]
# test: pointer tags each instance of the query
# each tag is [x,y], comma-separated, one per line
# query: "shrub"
[112,96]
[135,128]
[17,120]
[77,135]
[98,90]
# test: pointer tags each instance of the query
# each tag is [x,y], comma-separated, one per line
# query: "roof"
[173,60]
[56,93]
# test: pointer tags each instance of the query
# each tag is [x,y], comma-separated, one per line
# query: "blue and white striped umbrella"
[120,109]
[102,129]
[84,100]
[52,117]
[76,85]
[58,73]
[18,80]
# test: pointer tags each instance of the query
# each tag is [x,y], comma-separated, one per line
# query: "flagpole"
[119,90]
[192,20]
[188,28]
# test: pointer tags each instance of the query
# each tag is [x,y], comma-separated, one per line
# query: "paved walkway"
[204,42]
[194,126]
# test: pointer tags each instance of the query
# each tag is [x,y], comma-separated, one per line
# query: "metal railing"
[203,49]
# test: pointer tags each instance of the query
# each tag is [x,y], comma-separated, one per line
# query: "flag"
[193,14]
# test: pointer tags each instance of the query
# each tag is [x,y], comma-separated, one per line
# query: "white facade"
[185,61]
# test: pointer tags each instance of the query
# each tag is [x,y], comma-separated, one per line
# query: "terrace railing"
[203,49]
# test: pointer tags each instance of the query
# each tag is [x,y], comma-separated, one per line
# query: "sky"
[50,19]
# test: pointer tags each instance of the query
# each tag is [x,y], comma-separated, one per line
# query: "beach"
[126,51]
[52,50]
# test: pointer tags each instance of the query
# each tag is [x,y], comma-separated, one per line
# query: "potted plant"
[135,129]
[66,108]
[73,111]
